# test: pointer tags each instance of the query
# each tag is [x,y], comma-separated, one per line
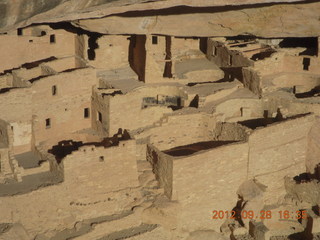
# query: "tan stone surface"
[268,21]
[61,10]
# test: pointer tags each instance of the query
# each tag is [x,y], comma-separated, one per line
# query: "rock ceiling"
[263,18]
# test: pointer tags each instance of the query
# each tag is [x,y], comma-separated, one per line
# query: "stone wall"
[278,150]
[111,53]
[295,64]
[6,81]
[225,131]
[221,54]
[162,165]
[99,170]
[171,131]
[208,181]
[100,105]
[65,108]
[17,50]
[4,138]
[313,148]
[184,48]
[252,80]
[136,116]
[232,109]
[155,59]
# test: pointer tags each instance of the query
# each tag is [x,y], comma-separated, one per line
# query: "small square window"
[54,90]
[48,123]
[306,64]
[154,40]
[19,32]
[52,38]
[101,159]
[86,113]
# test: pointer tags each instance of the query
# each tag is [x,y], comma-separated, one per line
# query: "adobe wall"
[278,150]
[182,48]
[252,80]
[225,131]
[162,165]
[21,101]
[6,81]
[180,129]
[208,181]
[231,109]
[252,76]
[302,81]
[65,109]
[313,148]
[219,54]
[155,59]
[112,52]
[27,74]
[276,60]
[295,64]
[100,170]
[65,63]
[56,208]
[135,115]
[4,139]
[17,50]
[100,104]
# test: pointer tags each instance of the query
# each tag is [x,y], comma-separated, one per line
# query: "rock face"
[284,20]
[249,16]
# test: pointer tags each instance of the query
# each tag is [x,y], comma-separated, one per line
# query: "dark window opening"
[203,44]
[43,33]
[54,90]
[30,41]
[19,32]
[86,113]
[48,123]
[154,40]
[195,102]
[99,116]
[168,65]
[92,46]
[52,38]
[101,159]
[306,64]
[230,60]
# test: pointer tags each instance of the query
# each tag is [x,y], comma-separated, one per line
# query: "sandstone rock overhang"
[14,14]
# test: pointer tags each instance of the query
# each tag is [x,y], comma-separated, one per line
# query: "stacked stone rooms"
[145,136]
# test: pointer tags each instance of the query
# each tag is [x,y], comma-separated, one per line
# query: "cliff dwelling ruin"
[160,120]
